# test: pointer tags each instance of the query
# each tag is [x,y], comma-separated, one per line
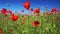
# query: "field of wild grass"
[48,24]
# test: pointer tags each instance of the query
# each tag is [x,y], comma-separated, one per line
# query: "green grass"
[47,24]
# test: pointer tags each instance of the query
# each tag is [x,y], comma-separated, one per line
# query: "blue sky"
[17,5]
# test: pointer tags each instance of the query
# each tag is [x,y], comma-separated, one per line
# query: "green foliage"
[47,25]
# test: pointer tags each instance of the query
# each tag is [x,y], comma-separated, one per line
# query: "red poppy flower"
[35,23]
[1,31]
[51,13]
[4,10]
[10,12]
[31,9]
[54,9]
[14,17]
[37,10]
[0,12]
[6,14]
[27,5]
[38,14]
[22,10]
[58,12]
